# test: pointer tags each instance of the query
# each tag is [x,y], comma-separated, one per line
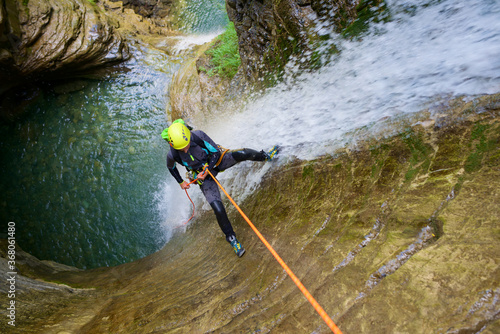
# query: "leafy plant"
[225,57]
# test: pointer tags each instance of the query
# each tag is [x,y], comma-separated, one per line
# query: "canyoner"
[204,159]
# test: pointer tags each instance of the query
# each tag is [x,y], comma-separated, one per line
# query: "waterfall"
[428,53]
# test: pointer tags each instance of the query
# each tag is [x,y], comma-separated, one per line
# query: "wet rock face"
[270,31]
[42,39]
[198,97]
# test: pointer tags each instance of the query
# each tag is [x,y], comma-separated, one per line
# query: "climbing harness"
[192,177]
[329,322]
[223,152]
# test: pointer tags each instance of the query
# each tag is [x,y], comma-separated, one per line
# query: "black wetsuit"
[203,150]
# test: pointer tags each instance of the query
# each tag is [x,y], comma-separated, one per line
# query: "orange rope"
[193,208]
[191,203]
[297,282]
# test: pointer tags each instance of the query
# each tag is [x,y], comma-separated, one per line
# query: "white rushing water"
[447,49]
[429,50]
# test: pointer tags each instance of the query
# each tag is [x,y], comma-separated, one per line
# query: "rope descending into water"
[191,203]
[297,282]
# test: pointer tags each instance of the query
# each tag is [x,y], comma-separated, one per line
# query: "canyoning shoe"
[237,247]
[272,153]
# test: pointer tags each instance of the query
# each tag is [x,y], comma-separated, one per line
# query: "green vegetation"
[419,158]
[368,11]
[307,171]
[473,162]
[224,56]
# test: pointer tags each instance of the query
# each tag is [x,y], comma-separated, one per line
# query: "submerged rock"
[54,38]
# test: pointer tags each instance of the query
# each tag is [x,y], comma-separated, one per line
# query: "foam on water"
[186,42]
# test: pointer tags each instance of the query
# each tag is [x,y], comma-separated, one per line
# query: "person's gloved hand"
[204,173]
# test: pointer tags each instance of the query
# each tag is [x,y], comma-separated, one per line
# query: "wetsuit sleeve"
[212,147]
[173,169]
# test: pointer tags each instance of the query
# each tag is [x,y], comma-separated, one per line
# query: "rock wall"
[52,38]
[199,97]
[185,91]
[270,31]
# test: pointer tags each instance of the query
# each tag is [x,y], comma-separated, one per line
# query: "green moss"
[419,153]
[474,160]
[307,171]
[411,174]
[478,131]
[278,55]
[374,171]
[376,154]
[419,150]
[368,11]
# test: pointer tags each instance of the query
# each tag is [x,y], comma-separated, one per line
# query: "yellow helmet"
[177,135]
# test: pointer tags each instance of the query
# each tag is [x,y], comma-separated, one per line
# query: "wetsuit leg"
[248,154]
[211,191]
[227,162]
[222,218]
